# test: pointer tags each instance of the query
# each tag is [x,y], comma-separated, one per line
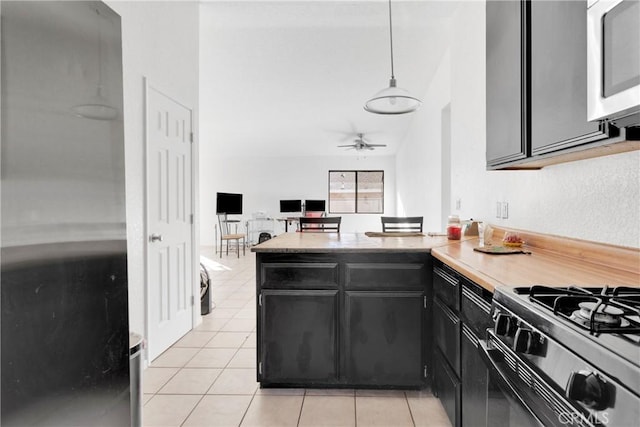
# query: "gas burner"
[598,314]
[598,310]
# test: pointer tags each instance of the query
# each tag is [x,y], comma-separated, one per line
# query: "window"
[356,191]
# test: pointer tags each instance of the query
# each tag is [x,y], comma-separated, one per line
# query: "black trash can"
[206,295]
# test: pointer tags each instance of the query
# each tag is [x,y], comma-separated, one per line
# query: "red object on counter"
[454,232]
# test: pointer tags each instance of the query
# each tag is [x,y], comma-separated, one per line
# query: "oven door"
[613,61]
[518,396]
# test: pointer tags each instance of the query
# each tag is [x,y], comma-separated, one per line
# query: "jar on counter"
[454,228]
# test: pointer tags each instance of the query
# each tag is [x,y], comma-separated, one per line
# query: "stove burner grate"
[598,310]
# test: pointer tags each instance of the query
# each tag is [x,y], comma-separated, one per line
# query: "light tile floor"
[208,377]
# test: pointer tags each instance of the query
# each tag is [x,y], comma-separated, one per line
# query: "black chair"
[402,224]
[329,224]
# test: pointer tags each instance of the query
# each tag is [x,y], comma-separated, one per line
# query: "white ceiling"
[289,78]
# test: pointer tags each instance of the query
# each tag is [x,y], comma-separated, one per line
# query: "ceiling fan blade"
[377,145]
[348,145]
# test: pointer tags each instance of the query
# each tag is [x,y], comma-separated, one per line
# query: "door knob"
[155,238]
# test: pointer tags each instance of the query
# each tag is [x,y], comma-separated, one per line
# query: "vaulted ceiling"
[289,78]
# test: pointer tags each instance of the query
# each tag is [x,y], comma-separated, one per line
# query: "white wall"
[160,42]
[264,181]
[418,162]
[596,199]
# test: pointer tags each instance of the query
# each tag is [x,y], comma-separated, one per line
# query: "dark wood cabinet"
[536,86]
[558,34]
[506,87]
[384,333]
[461,315]
[475,380]
[299,336]
[343,319]
[446,386]
[446,332]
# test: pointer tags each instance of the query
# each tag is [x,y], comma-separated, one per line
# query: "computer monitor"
[229,203]
[314,206]
[290,206]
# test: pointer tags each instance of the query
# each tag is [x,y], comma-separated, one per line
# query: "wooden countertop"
[554,260]
[347,242]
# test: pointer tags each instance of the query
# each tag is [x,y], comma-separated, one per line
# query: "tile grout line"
[355,408]
[304,395]
[406,399]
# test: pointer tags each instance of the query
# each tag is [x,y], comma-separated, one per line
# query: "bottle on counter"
[454,228]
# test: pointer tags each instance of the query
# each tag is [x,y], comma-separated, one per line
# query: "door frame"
[195,251]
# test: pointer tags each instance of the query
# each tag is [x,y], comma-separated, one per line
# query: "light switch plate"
[498,210]
[505,210]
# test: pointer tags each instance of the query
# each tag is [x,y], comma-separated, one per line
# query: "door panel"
[299,336]
[169,205]
[384,338]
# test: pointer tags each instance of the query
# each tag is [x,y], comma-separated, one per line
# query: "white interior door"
[170,221]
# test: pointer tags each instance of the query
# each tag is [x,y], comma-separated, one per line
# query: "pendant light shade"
[392,100]
[97,107]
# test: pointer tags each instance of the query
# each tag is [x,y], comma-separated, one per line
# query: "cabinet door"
[446,331]
[558,33]
[298,336]
[383,338]
[446,387]
[474,380]
[506,136]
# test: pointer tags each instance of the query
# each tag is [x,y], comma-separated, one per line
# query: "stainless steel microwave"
[613,61]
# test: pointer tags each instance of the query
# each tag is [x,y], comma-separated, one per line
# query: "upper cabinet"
[537,86]
[558,75]
[506,140]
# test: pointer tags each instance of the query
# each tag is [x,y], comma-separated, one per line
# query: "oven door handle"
[496,372]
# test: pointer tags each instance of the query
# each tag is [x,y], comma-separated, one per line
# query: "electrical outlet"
[498,210]
[505,210]
[458,204]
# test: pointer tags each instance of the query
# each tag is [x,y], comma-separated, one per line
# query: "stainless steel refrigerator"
[63,280]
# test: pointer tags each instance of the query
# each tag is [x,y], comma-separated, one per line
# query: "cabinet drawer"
[447,388]
[299,275]
[385,276]
[476,308]
[446,329]
[446,286]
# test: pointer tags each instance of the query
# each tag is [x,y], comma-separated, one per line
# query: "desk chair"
[226,235]
[402,224]
[320,225]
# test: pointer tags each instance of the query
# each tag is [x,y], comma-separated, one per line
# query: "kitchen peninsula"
[348,310]
[343,310]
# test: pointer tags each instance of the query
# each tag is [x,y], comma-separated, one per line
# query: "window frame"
[356,172]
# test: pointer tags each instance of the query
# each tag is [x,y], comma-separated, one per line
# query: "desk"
[288,221]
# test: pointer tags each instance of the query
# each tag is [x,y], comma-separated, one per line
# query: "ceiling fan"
[360,144]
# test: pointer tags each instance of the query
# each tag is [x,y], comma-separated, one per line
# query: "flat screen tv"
[229,203]
[314,206]
[290,205]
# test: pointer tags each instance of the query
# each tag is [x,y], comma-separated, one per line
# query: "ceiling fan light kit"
[392,100]
[360,144]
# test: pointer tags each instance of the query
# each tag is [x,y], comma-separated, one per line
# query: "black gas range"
[567,356]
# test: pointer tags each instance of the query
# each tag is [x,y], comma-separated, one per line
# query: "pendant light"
[392,100]
[97,107]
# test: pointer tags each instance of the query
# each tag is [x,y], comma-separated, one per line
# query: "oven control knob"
[502,324]
[588,388]
[524,341]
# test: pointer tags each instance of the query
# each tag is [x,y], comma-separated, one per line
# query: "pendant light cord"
[391,40]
